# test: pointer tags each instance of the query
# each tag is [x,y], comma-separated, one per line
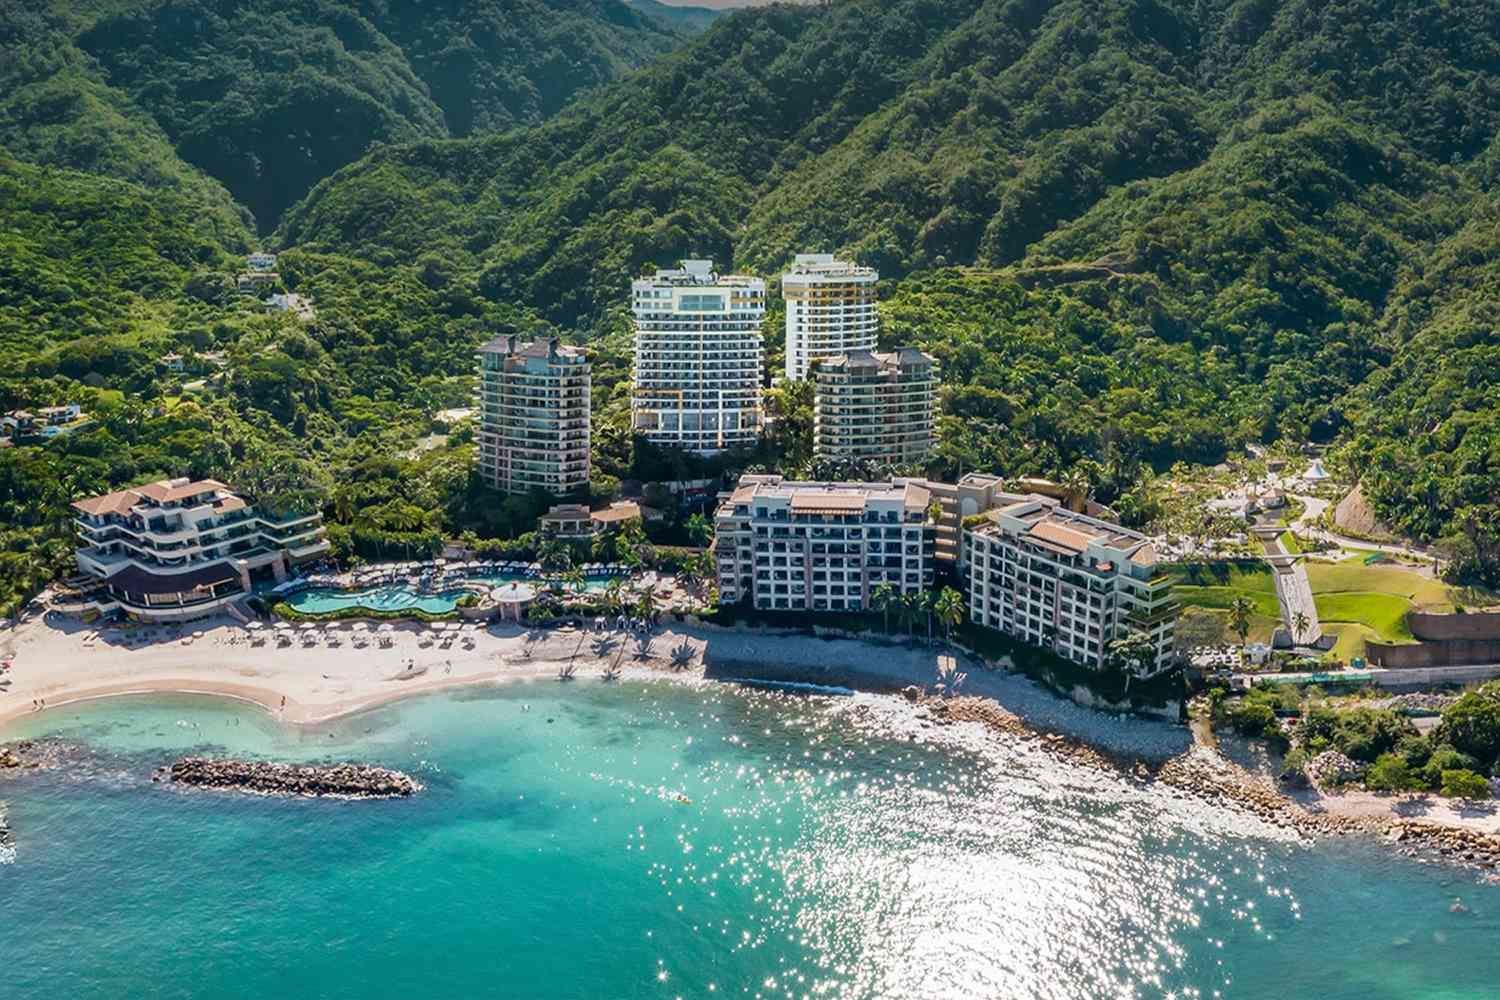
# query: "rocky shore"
[350,781]
[1205,775]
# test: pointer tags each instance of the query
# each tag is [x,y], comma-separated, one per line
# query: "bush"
[1465,784]
[1362,734]
[1472,725]
[1294,766]
[1443,759]
[1251,718]
[1389,773]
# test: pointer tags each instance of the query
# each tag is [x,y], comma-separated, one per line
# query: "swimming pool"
[403,597]
[322,600]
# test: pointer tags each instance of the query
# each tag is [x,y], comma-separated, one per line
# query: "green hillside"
[1134,233]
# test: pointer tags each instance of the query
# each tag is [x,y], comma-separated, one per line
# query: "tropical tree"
[1240,610]
[554,554]
[1076,488]
[573,577]
[1300,625]
[884,600]
[949,608]
[1134,653]
[614,595]
[699,529]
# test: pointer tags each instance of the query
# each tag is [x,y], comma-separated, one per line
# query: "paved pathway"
[1294,592]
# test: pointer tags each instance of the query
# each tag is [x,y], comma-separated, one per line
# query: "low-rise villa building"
[875,407]
[179,549]
[1069,582]
[822,546]
[574,520]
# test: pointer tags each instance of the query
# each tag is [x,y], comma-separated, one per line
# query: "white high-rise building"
[830,310]
[699,353]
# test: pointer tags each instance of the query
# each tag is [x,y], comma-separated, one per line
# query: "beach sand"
[64,663]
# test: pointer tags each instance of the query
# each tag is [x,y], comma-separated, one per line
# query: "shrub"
[1444,758]
[1251,718]
[1465,784]
[1472,725]
[1294,766]
[1389,773]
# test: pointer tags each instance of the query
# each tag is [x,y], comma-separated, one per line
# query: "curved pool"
[321,600]
[390,598]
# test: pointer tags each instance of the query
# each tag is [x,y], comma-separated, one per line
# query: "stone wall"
[1443,653]
[1438,627]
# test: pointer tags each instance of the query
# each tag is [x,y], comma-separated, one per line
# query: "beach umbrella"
[387,627]
[309,626]
[252,625]
[359,626]
[283,626]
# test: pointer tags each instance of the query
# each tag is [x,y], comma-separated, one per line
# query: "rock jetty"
[350,781]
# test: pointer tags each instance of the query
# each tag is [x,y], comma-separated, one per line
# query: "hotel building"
[1067,581]
[698,358]
[533,428]
[830,310]
[821,546]
[875,407]
[178,549]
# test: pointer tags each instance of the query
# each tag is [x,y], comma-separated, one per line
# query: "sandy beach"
[62,663]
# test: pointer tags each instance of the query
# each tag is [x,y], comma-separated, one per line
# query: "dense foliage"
[1133,233]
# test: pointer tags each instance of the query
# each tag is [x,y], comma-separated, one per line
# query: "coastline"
[321,684]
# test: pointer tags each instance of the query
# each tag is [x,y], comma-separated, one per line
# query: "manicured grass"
[1289,542]
[1221,597]
[1380,578]
[1351,639]
[1384,614]
[1253,576]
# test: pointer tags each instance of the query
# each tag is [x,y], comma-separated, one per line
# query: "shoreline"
[320,685]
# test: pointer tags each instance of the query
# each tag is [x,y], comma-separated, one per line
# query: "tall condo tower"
[698,357]
[830,310]
[533,415]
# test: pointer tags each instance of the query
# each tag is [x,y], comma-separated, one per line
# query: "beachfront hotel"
[830,310]
[821,546]
[698,358]
[1067,581]
[180,549]
[875,407]
[533,428]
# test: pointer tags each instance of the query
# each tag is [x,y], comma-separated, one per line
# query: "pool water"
[403,597]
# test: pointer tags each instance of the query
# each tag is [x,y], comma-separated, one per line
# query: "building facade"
[699,353]
[1069,582]
[533,428]
[830,310]
[821,546]
[179,549]
[875,407]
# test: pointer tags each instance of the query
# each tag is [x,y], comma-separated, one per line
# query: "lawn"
[1383,614]
[1220,597]
[1380,578]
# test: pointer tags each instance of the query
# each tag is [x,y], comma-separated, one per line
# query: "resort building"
[875,407]
[821,546]
[1069,582]
[830,310]
[698,358]
[533,430]
[973,494]
[260,262]
[179,549]
[575,520]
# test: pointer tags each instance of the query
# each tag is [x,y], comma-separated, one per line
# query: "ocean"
[657,840]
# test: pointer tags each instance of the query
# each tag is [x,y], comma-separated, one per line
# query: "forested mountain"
[685,19]
[270,97]
[1135,232]
[1236,192]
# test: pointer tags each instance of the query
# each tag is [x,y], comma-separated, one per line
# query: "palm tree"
[603,547]
[884,600]
[949,608]
[1240,610]
[923,599]
[1076,488]
[573,576]
[614,595]
[1300,625]
[699,530]
[909,609]
[554,554]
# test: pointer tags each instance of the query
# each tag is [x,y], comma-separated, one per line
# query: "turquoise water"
[402,597]
[551,855]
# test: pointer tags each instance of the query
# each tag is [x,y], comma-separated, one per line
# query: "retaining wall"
[1445,653]
[1424,625]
